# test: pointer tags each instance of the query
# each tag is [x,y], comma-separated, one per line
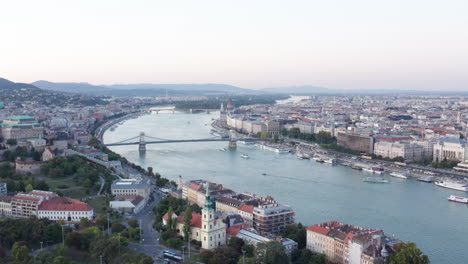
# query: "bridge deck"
[176,141]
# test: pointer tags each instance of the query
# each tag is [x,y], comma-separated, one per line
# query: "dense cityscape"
[67,198]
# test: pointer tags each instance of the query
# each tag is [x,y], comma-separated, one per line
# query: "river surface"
[411,210]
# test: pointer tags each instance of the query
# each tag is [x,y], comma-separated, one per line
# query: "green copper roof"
[208,202]
[19,117]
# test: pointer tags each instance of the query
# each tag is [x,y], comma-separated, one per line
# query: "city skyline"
[338,45]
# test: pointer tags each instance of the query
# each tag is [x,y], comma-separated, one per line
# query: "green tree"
[247,261]
[187,222]
[20,253]
[264,135]
[11,141]
[408,253]
[73,239]
[271,252]
[28,188]
[94,142]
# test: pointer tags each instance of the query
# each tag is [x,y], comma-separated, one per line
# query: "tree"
[246,261]
[20,253]
[271,252]
[73,239]
[264,135]
[133,223]
[11,141]
[28,188]
[187,222]
[408,253]
[171,223]
[94,142]
[84,222]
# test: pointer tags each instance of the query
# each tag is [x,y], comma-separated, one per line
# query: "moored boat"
[458,199]
[452,185]
[222,149]
[354,167]
[244,156]
[401,175]
[375,180]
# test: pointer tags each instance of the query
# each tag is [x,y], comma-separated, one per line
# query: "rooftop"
[64,204]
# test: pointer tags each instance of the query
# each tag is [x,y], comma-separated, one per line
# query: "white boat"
[458,199]
[330,161]
[244,156]
[282,150]
[401,175]
[375,180]
[245,142]
[368,169]
[222,149]
[452,185]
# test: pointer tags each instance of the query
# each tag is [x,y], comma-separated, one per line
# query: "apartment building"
[272,217]
[343,243]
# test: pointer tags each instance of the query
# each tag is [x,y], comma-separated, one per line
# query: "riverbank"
[99,132]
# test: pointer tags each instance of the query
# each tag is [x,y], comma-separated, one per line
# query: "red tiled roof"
[233,230]
[27,198]
[196,219]
[247,208]
[64,204]
[194,186]
[318,229]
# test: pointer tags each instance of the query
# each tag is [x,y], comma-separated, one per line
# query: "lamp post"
[188,244]
[243,256]
[41,245]
[100,258]
[108,225]
[63,238]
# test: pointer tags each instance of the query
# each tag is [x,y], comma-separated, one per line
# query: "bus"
[169,255]
[400,163]
[366,157]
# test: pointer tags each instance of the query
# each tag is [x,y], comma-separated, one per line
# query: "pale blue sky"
[348,44]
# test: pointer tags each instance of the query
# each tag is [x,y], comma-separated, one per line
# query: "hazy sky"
[349,44]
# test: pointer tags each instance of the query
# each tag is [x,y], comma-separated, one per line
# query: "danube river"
[411,210]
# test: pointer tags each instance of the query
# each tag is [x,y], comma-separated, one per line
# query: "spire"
[208,202]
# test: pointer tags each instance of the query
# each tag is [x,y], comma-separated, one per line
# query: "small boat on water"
[452,185]
[244,156]
[368,169]
[354,167]
[458,199]
[400,175]
[427,179]
[222,149]
[330,161]
[264,174]
[375,180]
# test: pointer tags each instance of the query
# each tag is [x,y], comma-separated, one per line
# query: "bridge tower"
[232,139]
[142,144]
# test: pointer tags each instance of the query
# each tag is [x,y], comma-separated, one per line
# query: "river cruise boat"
[245,142]
[245,156]
[401,175]
[354,167]
[368,169]
[302,156]
[458,199]
[330,161]
[378,170]
[375,180]
[452,185]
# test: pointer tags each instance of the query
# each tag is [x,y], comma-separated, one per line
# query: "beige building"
[408,151]
[30,166]
[451,149]
[136,186]
[21,128]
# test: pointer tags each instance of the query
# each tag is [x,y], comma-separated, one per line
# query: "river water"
[411,210]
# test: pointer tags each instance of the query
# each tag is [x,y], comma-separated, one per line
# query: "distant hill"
[209,87]
[7,84]
[143,89]
[83,87]
[304,89]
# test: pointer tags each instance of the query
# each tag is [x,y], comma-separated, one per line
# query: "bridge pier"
[232,139]
[142,144]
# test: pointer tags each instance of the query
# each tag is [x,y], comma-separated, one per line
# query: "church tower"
[213,231]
